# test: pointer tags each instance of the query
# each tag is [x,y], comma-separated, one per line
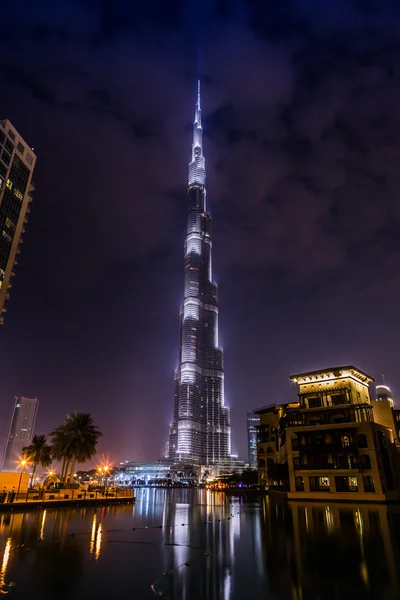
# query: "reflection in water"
[42,525]
[93,535]
[96,536]
[4,564]
[201,545]
[98,540]
[332,551]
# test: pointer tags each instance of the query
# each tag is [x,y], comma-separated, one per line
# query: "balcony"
[333,415]
[326,463]
[332,448]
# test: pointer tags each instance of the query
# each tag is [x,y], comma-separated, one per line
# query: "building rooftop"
[332,373]
[272,407]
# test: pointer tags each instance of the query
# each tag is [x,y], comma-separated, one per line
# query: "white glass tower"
[200,431]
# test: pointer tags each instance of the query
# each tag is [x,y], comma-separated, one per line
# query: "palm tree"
[60,448]
[38,453]
[75,442]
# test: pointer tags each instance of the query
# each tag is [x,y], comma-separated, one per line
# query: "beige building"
[336,443]
[270,440]
[17,162]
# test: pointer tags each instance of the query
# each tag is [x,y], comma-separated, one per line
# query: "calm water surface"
[200,545]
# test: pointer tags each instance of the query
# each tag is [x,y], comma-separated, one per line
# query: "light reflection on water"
[202,545]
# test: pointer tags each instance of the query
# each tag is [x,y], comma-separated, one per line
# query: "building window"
[369,484]
[346,484]
[365,461]
[299,481]
[345,441]
[5,157]
[11,134]
[338,399]
[20,148]
[314,402]
[320,484]
[362,441]
[261,463]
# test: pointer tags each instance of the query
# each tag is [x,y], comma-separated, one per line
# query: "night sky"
[301,107]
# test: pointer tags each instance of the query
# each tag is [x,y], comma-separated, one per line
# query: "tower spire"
[197,167]
[198,106]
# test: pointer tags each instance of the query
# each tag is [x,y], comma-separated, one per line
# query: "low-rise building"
[335,442]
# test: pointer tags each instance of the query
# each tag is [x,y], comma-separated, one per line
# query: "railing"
[323,466]
[328,448]
[71,495]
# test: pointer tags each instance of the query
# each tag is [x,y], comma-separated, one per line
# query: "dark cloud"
[302,135]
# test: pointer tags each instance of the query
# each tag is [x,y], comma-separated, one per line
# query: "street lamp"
[106,467]
[23,463]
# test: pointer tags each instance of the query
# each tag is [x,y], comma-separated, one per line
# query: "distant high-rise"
[20,430]
[253,421]
[200,431]
[17,162]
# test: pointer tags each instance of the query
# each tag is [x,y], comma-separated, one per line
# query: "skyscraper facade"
[200,431]
[20,431]
[253,421]
[17,162]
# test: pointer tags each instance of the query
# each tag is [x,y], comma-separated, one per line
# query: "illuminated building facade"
[253,421]
[334,441]
[17,162]
[200,431]
[20,431]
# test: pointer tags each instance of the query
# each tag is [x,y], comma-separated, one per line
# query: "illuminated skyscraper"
[17,162]
[200,431]
[20,431]
[253,421]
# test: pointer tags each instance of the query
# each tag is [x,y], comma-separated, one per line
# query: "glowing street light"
[106,469]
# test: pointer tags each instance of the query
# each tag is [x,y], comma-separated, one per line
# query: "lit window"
[9,184]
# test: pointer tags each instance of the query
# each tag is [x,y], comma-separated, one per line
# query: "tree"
[38,453]
[60,448]
[74,442]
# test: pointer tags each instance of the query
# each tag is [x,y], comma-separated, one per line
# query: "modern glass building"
[20,431]
[17,162]
[253,421]
[200,431]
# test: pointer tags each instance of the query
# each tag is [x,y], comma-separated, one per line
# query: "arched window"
[365,461]
[270,450]
[362,441]
[261,451]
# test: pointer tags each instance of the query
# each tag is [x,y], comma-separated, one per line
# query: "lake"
[201,545]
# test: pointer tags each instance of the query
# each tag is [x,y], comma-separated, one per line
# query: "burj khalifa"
[200,431]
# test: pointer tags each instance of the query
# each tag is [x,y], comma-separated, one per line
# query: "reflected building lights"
[329,520]
[42,524]
[99,537]
[93,535]
[6,557]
